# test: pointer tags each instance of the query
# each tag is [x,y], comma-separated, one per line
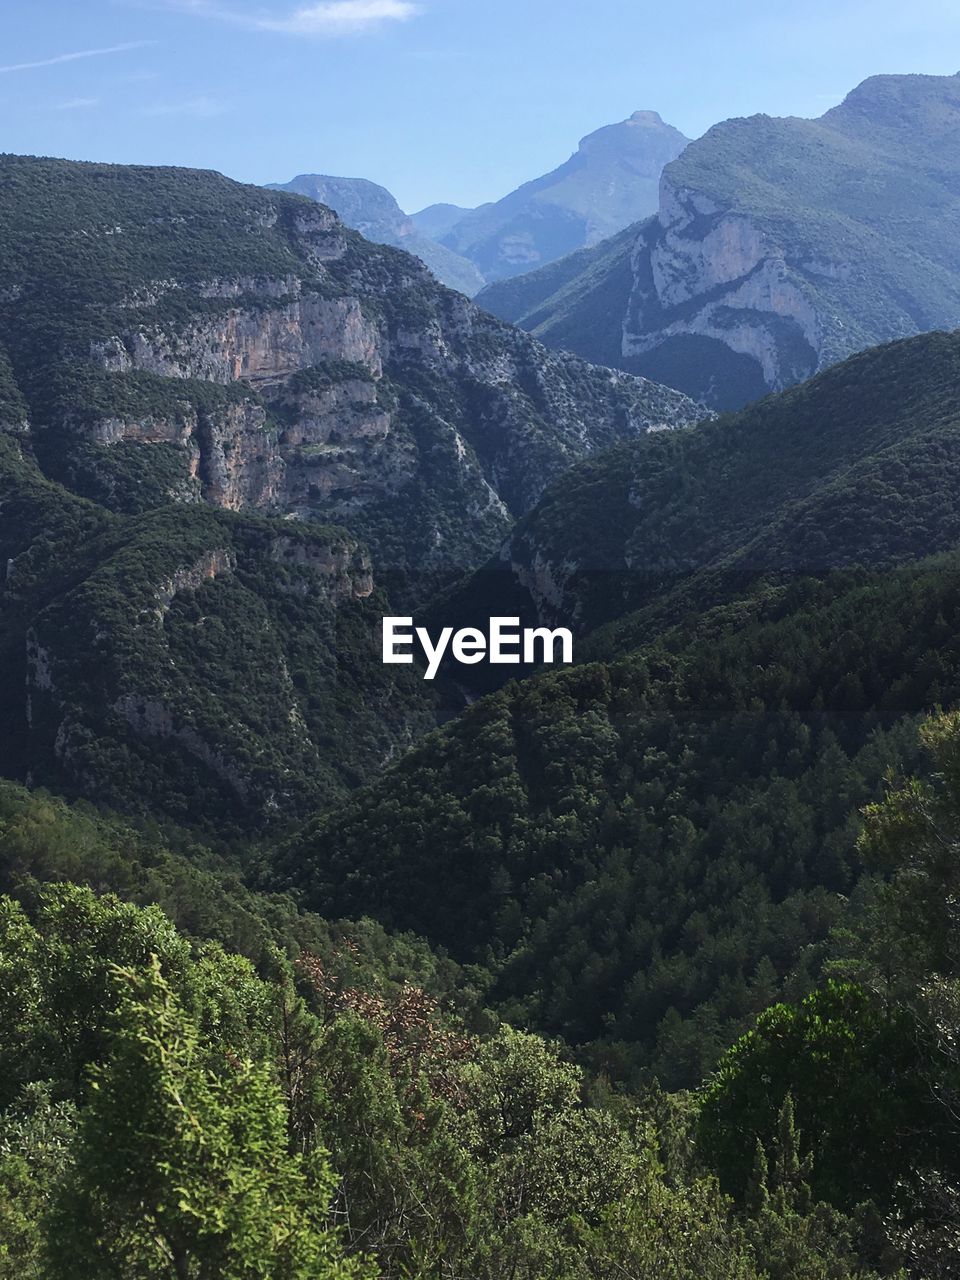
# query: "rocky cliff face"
[709,273]
[343,384]
[779,247]
[373,211]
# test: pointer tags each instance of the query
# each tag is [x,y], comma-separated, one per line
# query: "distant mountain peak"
[638,130]
[611,181]
[780,247]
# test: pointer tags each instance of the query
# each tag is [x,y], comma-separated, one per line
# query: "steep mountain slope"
[855,467]
[781,246]
[175,335]
[655,842]
[216,668]
[611,181]
[574,300]
[373,211]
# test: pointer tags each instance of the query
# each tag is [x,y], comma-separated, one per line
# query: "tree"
[853,1070]
[182,1168]
[35,1140]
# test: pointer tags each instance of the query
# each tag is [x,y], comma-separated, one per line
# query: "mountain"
[227,421]
[373,211]
[780,246]
[611,181]
[437,219]
[853,467]
[213,668]
[573,303]
[171,334]
[646,848]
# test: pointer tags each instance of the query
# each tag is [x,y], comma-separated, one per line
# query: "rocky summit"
[779,247]
[608,183]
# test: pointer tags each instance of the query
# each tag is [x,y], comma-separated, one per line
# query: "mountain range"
[642,966]
[779,247]
[610,182]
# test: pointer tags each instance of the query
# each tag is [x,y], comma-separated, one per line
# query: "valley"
[480,779]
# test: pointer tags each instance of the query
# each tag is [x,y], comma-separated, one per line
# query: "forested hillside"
[216,668]
[170,1106]
[856,466]
[646,853]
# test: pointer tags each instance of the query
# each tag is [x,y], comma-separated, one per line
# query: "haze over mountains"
[779,247]
[610,182]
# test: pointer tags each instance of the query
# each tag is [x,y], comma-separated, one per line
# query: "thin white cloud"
[78,104]
[340,17]
[326,19]
[74,57]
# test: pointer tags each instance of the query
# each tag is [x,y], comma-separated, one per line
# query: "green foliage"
[44,840]
[181,1165]
[217,1123]
[855,1072]
[905,947]
[13,407]
[320,377]
[729,758]
[35,1142]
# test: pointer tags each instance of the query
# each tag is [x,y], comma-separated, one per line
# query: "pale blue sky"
[456,100]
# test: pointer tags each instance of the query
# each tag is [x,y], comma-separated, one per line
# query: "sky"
[438,100]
